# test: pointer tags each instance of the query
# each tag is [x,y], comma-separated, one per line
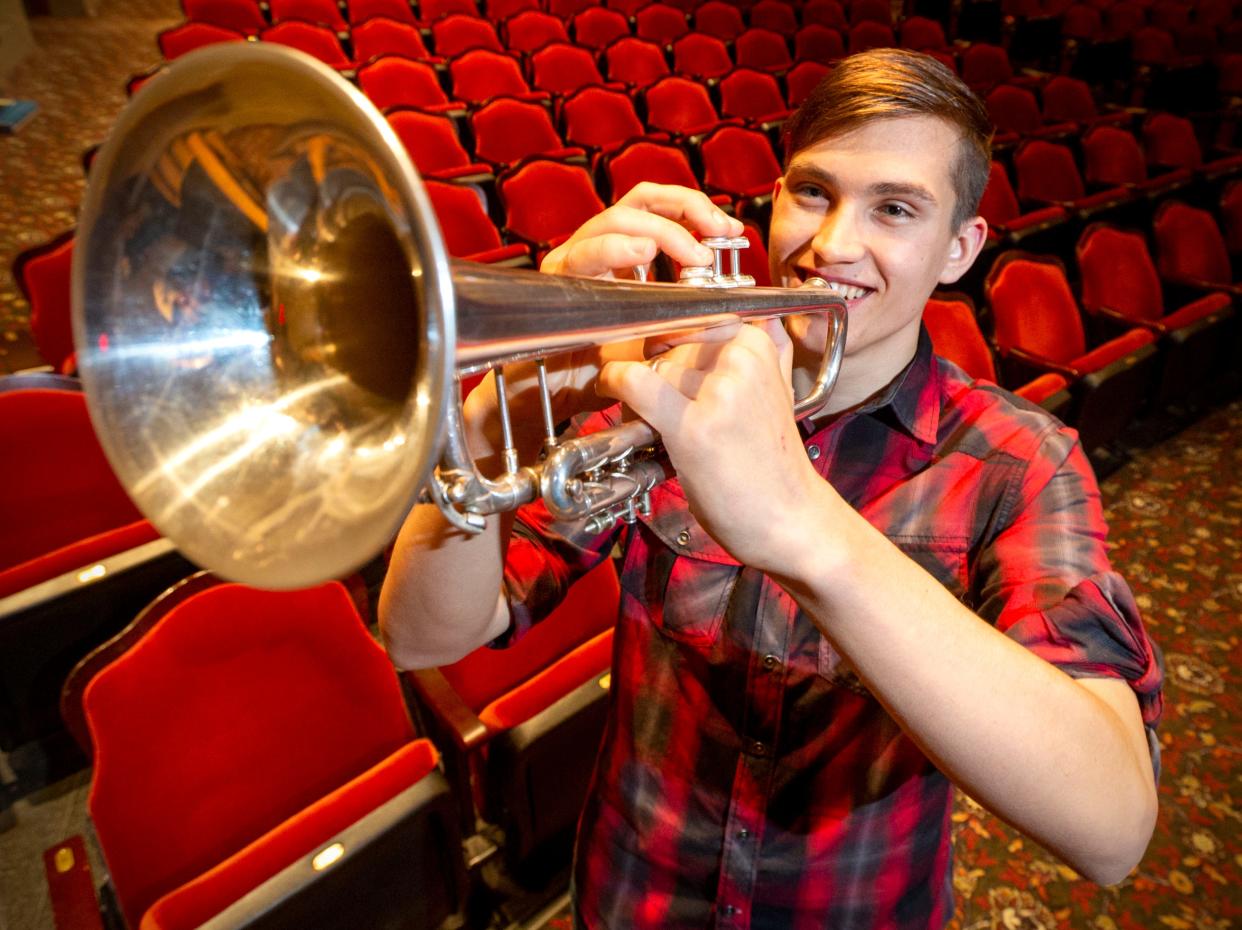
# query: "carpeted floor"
[1176,514]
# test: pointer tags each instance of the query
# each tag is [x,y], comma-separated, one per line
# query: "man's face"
[870,212]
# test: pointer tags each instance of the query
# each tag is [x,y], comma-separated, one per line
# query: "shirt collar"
[911,400]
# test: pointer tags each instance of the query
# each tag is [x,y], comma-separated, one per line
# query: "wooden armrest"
[467,730]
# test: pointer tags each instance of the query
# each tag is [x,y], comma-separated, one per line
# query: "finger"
[599,255]
[668,233]
[687,380]
[645,392]
[658,345]
[775,330]
[691,208]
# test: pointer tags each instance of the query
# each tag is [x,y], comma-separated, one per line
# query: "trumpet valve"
[715,275]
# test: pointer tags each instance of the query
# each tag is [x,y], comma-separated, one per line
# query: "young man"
[823,626]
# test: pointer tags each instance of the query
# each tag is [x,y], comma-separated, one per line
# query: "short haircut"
[891,82]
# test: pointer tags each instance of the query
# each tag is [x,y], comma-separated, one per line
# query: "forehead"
[901,150]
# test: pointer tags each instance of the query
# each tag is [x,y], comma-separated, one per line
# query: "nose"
[838,241]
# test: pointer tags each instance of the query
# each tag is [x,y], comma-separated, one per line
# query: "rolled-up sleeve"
[1045,579]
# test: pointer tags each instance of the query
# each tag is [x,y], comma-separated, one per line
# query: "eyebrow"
[880,188]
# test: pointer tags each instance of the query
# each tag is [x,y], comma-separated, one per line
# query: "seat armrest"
[1116,323]
[468,732]
[1036,363]
[71,886]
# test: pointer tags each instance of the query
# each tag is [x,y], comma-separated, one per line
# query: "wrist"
[811,544]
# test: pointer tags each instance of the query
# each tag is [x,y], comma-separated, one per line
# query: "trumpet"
[271,334]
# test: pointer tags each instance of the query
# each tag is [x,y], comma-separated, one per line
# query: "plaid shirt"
[747,778]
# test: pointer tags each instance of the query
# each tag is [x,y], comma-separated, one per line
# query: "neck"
[863,374]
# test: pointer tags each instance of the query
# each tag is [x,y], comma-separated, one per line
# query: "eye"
[898,211]
[807,190]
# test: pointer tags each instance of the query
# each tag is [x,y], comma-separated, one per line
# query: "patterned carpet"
[1175,512]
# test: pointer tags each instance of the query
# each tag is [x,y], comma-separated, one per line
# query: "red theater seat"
[647,160]
[237,734]
[43,275]
[719,19]
[802,79]
[635,62]
[459,32]
[828,13]
[242,16]
[383,36]
[1038,330]
[545,201]
[320,12]
[560,68]
[394,81]
[317,41]
[359,11]
[1121,288]
[818,43]
[953,325]
[763,50]
[600,119]
[660,23]
[1191,251]
[701,57]
[431,141]
[526,721]
[680,106]
[740,162]
[506,130]
[179,40]
[533,29]
[774,15]
[598,27]
[754,97]
[481,74]
[468,231]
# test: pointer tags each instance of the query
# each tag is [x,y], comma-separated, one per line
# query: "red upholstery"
[467,230]
[532,29]
[776,15]
[500,10]
[802,79]
[599,27]
[875,11]
[394,81]
[1189,244]
[197,901]
[561,68]
[320,12]
[383,36]
[818,43]
[1042,388]
[179,40]
[955,336]
[317,41]
[433,146]
[1231,216]
[1081,21]
[681,106]
[1170,140]
[486,675]
[869,34]
[920,33]
[702,57]
[1153,46]
[739,162]
[1015,109]
[1047,171]
[600,118]
[752,95]
[660,23]
[1000,207]
[1114,157]
[985,65]
[43,274]
[545,201]
[481,74]
[719,19]
[763,50]
[755,258]
[1118,273]
[568,9]
[359,11]
[635,61]
[1035,310]
[646,160]
[459,32]
[1070,99]
[75,555]
[1113,350]
[239,15]
[431,10]
[59,487]
[542,690]
[1123,19]
[238,710]
[508,130]
[828,13]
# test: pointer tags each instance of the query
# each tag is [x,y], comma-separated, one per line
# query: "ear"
[964,249]
[777,187]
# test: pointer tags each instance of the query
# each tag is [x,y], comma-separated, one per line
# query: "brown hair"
[892,82]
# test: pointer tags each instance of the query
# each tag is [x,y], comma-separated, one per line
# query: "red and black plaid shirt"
[747,778]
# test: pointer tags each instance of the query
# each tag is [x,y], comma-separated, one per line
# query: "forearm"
[1036,747]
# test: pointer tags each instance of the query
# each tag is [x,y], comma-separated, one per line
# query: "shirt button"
[743,834]
[729,910]
[759,749]
[813,452]
[683,538]
[770,661]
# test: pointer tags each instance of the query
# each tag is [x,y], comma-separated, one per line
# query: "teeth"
[848,291]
